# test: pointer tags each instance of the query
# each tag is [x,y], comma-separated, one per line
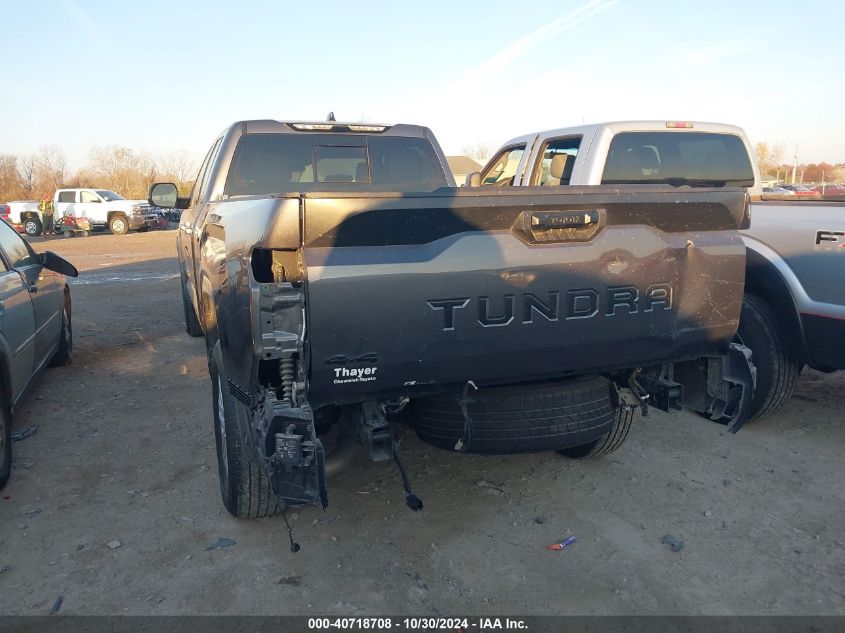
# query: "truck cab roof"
[272,126]
[615,127]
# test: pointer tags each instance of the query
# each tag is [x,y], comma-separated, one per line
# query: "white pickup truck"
[105,209]
[794,308]
[24,215]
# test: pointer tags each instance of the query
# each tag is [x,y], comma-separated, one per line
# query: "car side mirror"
[473,179]
[165,194]
[57,264]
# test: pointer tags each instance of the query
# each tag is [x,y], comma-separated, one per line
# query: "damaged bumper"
[720,387]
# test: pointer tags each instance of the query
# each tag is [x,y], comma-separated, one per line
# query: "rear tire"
[32,227]
[64,353]
[5,441]
[520,418]
[606,444]
[192,323]
[244,486]
[118,224]
[777,374]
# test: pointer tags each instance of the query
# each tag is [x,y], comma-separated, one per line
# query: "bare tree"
[126,171]
[180,167]
[11,186]
[27,172]
[769,157]
[478,151]
[50,164]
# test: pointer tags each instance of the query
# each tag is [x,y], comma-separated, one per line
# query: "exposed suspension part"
[287,372]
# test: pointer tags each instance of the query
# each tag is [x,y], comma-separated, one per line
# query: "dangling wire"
[294,546]
[461,444]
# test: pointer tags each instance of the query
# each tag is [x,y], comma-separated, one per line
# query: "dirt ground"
[124,455]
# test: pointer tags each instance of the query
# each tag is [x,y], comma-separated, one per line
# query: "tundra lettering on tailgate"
[583,303]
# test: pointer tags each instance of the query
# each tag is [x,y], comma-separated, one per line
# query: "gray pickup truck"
[342,282]
[794,307]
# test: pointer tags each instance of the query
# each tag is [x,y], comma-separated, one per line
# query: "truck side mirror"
[165,194]
[473,179]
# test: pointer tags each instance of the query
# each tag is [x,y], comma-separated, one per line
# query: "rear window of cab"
[289,163]
[698,158]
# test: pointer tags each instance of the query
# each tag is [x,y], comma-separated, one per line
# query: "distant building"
[461,166]
[767,180]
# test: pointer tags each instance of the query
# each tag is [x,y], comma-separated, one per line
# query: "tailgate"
[410,293]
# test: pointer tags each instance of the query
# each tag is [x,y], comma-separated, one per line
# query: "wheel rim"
[30,227]
[119,226]
[221,423]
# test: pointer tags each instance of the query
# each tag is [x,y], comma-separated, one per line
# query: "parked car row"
[816,191]
[830,190]
[76,211]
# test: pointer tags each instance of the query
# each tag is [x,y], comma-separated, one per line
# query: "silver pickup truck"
[794,307]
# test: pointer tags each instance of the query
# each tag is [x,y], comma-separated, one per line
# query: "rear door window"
[67,196]
[202,175]
[502,169]
[202,194]
[558,159]
[678,158]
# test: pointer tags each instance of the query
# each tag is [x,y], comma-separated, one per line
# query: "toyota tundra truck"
[793,312]
[343,284]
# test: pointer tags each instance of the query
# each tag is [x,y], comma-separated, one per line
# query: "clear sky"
[167,75]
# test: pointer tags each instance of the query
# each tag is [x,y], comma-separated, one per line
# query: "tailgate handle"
[544,220]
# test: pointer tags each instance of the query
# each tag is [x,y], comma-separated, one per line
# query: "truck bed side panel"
[808,236]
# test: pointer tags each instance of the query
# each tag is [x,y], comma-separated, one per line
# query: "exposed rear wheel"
[244,486]
[192,323]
